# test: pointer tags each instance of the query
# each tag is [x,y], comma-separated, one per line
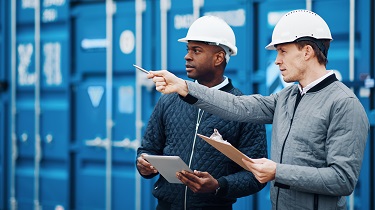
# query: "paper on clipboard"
[228,150]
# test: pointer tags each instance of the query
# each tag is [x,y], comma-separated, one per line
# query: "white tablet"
[168,166]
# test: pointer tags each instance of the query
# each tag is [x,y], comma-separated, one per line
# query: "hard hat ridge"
[297,24]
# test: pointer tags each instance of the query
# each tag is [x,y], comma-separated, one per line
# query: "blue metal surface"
[371,174]
[2,156]
[3,165]
[54,125]
[364,192]
[73,89]
[239,15]
[3,110]
[89,73]
[178,21]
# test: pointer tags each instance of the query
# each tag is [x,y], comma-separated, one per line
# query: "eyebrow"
[194,47]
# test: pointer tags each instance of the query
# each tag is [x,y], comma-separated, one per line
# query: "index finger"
[188,178]
[150,75]
[155,73]
[189,175]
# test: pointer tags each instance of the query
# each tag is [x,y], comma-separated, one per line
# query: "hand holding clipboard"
[228,150]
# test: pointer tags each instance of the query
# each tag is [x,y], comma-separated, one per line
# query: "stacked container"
[75,109]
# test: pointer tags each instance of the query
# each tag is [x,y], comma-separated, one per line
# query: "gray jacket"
[318,144]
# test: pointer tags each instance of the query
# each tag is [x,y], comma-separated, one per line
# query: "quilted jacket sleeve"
[154,139]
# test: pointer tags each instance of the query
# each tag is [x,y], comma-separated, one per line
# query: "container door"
[105,122]
[40,174]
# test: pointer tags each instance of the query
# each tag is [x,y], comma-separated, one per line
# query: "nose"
[188,56]
[277,60]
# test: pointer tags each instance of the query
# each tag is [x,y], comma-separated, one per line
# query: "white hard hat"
[213,30]
[297,24]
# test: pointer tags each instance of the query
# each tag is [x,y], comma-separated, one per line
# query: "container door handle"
[126,143]
[97,142]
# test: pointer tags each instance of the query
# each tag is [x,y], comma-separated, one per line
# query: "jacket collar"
[220,86]
[191,99]
[327,81]
[321,85]
[228,86]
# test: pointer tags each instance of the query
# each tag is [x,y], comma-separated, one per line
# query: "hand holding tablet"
[168,166]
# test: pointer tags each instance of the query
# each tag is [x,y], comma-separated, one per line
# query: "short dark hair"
[320,47]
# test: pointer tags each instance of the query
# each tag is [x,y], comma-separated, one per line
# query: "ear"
[219,58]
[308,52]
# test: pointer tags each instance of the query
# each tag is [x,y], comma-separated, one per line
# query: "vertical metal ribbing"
[13,201]
[139,9]
[109,86]
[351,39]
[38,152]
[351,65]
[164,7]
[309,5]
[197,5]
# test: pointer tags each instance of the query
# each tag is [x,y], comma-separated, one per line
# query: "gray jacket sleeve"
[250,108]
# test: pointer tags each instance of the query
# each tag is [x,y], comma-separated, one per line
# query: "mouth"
[189,67]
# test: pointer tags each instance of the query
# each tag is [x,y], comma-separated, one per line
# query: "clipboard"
[228,150]
[168,166]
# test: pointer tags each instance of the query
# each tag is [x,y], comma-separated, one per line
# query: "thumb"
[249,160]
[258,161]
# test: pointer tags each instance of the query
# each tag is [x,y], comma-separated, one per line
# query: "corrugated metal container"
[80,108]
[3,105]
[42,123]
[106,101]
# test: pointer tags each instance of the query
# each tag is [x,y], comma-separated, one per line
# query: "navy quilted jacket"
[171,131]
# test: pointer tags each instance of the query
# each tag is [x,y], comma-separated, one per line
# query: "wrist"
[183,89]
[222,187]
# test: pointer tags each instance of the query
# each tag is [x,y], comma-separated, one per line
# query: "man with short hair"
[172,130]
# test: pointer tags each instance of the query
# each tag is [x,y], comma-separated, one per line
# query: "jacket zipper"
[199,118]
[281,160]
[298,100]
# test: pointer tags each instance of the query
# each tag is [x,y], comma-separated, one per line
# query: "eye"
[196,51]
